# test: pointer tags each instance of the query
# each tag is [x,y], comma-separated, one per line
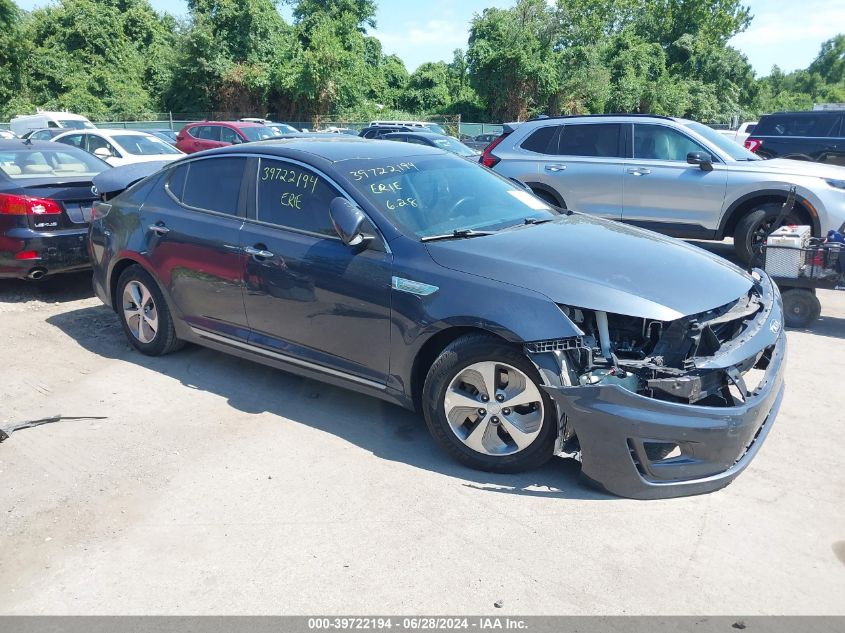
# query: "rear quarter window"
[543,140]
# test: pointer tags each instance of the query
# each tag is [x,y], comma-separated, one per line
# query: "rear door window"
[98,142]
[214,184]
[228,135]
[798,124]
[543,140]
[590,139]
[295,197]
[76,140]
[209,132]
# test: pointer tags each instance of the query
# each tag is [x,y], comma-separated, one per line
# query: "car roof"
[337,148]
[231,123]
[431,135]
[831,113]
[114,131]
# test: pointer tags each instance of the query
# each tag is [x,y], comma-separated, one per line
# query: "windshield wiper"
[536,220]
[456,235]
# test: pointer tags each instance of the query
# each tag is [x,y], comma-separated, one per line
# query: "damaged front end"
[662,409]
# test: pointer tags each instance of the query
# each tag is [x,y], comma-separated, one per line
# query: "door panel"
[307,294]
[583,164]
[196,252]
[660,186]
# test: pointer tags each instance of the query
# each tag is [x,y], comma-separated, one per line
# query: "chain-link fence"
[450,124]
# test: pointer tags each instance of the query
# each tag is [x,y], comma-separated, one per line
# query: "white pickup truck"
[741,133]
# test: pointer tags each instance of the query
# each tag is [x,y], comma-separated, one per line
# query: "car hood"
[788,166]
[588,262]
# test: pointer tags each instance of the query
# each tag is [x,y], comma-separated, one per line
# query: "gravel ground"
[205,484]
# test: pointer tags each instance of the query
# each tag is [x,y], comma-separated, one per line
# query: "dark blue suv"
[519,330]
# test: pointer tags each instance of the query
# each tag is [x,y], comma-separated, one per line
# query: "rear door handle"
[159,228]
[639,171]
[258,252]
[555,168]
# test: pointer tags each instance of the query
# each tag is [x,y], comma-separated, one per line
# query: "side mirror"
[702,159]
[102,152]
[349,222]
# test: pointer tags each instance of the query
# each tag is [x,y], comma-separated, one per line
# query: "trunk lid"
[75,198]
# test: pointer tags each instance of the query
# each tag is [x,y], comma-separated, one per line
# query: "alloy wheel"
[139,311]
[759,236]
[494,408]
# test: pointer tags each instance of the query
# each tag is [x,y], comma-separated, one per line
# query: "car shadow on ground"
[386,430]
[56,289]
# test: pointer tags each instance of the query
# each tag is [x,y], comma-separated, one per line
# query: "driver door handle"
[639,171]
[257,252]
[555,168]
[159,228]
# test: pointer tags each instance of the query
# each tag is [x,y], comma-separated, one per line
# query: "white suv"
[674,176]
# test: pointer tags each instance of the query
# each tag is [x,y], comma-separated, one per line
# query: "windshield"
[166,133]
[435,128]
[45,163]
[282,127]
[436,195]
[451,145]
[145,145]
[729,147]
[258,133]
[74,124]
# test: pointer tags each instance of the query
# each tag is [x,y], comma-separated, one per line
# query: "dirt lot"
[214,485]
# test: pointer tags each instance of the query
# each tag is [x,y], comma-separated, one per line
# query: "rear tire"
[751,231]
[144,313]
[480,430]
[800,307]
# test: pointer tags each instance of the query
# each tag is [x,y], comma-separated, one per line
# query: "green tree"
[830,62]
[105,58]
[13,52]
[427,89]
[511,59]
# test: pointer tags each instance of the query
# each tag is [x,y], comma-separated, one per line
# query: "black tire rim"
[765,228]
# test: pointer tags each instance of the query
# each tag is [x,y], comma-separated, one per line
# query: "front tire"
[144,313]
[751,231]
[800,307]
[483,405]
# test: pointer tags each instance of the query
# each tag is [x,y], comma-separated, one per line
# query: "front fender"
[464,301]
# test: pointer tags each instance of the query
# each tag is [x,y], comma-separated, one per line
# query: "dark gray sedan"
[518,330]
[440,141]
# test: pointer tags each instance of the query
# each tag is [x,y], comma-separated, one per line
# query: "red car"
[196,137]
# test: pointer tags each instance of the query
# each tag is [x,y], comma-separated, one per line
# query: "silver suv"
[674,176]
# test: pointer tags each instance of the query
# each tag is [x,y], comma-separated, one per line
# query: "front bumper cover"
[645,448]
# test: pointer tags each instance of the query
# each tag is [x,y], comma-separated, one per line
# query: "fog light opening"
[661,451]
